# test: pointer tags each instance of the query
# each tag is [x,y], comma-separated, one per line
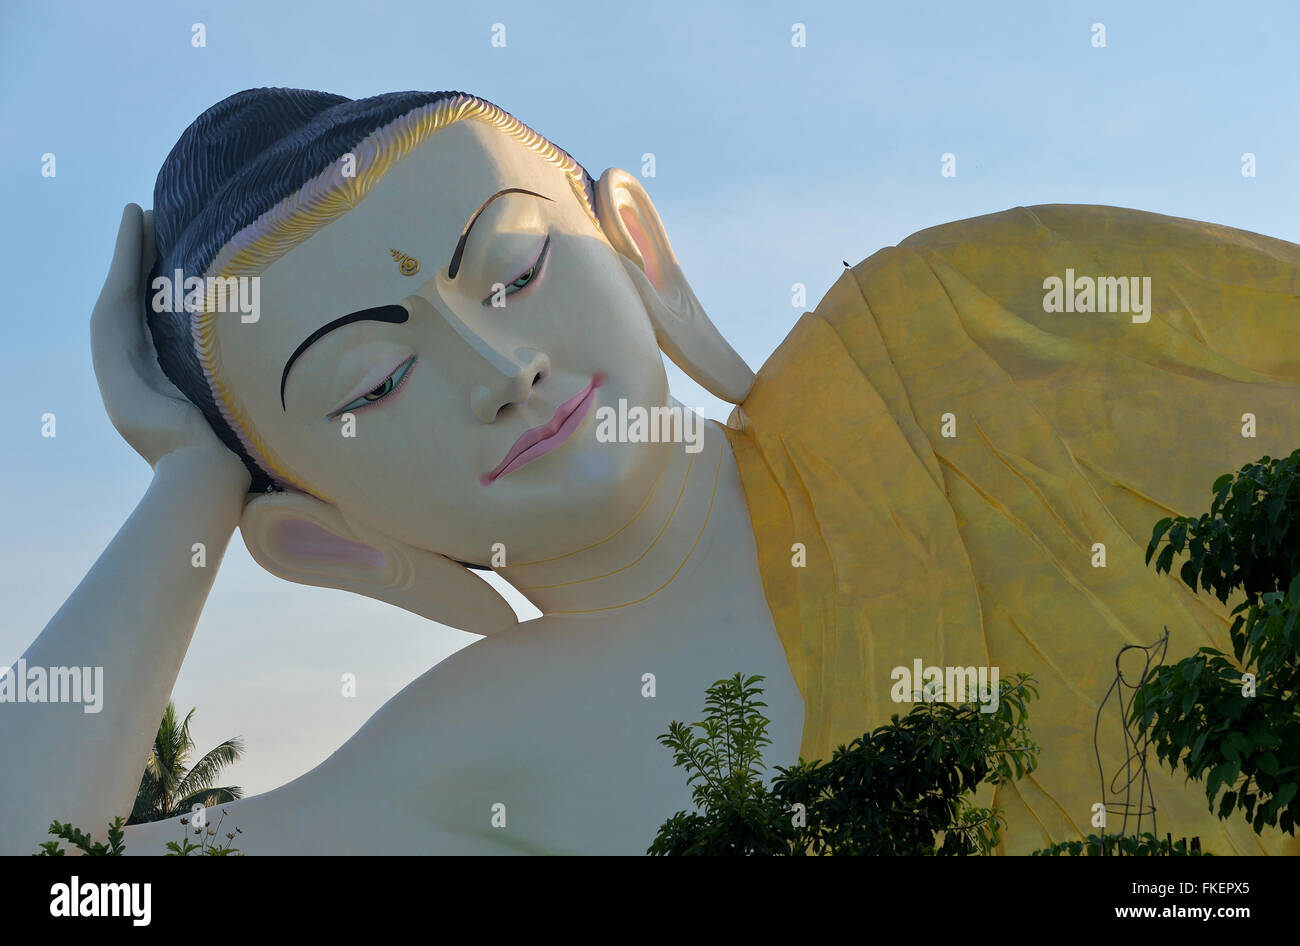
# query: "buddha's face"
[474,423]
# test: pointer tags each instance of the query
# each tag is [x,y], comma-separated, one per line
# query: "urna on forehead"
[266,170]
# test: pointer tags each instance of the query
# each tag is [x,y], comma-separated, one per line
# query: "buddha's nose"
[508,373]
[512,386]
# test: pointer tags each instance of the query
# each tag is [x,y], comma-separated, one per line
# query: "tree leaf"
[1286,793]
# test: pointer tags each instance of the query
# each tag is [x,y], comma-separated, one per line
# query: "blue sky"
[774,164]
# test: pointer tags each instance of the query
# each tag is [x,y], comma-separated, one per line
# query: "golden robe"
[1071,429]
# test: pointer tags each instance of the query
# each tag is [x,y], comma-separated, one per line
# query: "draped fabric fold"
[1071,430]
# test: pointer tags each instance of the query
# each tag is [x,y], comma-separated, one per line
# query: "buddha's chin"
[582,474]
[560,515]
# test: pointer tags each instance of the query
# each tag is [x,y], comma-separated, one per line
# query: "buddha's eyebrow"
[384,313]
[454,267]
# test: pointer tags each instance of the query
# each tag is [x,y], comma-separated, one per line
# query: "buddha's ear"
[686,335]
[300,538]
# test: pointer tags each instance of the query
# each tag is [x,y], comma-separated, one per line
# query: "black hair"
[234,163]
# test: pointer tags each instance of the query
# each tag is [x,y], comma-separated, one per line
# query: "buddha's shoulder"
[1078,221]
[1008,254]
[1097,231]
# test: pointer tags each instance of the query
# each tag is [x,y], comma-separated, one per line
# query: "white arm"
[135,611]
[133,615]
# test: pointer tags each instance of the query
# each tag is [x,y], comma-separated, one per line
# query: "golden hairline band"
[324,199]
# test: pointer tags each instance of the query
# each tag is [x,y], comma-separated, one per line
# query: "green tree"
[83,841]
[170,787]
[1235,722]
[1145,844]
[209,844]
[736,814]
[905,788]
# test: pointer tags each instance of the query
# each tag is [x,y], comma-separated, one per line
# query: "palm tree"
[167,790]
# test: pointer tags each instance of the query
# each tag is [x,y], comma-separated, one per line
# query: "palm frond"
[206,771]
[168,787]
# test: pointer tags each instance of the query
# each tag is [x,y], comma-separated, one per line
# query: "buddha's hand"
[150,412]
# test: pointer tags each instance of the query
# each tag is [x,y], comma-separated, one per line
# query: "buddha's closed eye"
[384,390]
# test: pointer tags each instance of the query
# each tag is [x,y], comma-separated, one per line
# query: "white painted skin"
[645,558]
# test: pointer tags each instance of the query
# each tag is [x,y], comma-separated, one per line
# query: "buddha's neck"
[643,557]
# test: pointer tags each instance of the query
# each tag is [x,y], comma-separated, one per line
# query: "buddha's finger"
[117,322]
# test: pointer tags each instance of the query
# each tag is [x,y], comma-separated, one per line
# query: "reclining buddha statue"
[448,304]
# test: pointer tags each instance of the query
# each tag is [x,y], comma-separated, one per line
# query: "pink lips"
[543,439]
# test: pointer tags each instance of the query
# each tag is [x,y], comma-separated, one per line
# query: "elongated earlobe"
[301,539]
[685,332]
